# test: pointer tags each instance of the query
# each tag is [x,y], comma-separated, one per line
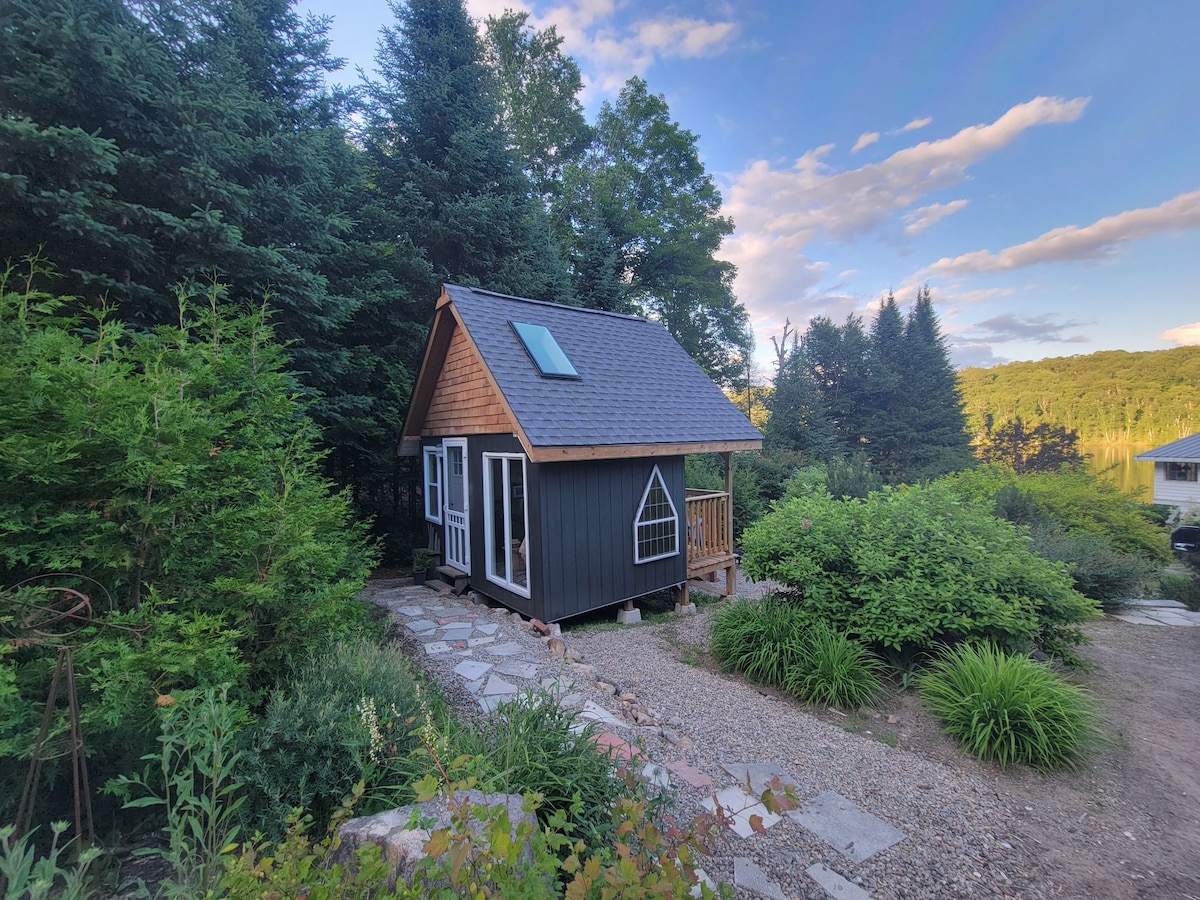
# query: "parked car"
[1186,539]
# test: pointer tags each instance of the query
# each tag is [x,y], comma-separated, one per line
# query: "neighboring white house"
[1176,471]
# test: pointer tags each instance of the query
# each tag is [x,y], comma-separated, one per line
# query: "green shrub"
[27,875]
[833,670]
[346,715]
[1076,500]
[1099,570]
[527,746]
[1009,709]
[907,569]
[1180,588]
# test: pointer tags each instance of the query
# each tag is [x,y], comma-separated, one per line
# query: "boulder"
[402,836]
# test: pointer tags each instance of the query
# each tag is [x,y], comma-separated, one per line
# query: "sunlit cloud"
[779,211]
[917,123]
[922,218]
[866,139]
[1072,242]
[1182,335]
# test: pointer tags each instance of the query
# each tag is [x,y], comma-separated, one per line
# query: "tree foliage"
[641,199]
[176,470]
[1113,396]
[1043,448]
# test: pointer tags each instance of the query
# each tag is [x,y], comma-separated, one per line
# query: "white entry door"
[456,519]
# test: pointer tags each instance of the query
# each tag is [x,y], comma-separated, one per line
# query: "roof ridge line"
[583,309]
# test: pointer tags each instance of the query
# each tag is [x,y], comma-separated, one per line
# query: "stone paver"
[518,669]
[852,832]
[690,773]
[740,807]
[509,648]
[456,632]
[435,647]
[759,776]
[421,625]
[497,686]
[834,884]
[749,877]
[472,669]
[1158,616]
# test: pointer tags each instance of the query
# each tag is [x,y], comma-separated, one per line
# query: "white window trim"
[435,455]
[674,517]
[489,524]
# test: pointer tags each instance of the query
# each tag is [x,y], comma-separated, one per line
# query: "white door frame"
[456,522]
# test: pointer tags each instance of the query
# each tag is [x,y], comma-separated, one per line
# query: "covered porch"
[709,539]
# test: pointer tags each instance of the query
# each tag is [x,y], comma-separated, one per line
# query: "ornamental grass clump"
[1006,708]
[834,670]
[762,639]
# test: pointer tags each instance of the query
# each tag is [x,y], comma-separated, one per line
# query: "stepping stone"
[557,686]
[473,687]
[759,776]
[480,641]
[410,612]
[436,647]
[740,806]
[509,648]
[852,832]
[690,774]
[594,712]
[750,877]
[491,704]
[656,775]
[471,669]
[615,747]
[517,669]
[457,632]
[420,625]
[701,879]
[486,627]
[497,686]
[1159,604]
[834,884]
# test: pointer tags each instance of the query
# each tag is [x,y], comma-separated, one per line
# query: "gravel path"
[960,839]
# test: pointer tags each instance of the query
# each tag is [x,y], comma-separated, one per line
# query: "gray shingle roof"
[636,385]
[1186,449]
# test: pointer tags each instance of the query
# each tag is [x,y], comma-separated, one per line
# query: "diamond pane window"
[543,349]
[656,527]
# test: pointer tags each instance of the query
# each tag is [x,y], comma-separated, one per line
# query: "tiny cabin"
[1176,471]
[552,441]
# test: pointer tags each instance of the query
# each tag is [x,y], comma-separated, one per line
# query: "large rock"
[403,844]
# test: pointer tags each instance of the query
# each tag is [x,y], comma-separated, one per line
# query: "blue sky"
[1038,164]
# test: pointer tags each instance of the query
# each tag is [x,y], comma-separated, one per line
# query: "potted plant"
[421,559]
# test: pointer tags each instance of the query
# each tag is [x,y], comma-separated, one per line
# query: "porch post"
[731,571]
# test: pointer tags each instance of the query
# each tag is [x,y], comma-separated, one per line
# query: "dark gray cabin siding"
[477,445]
[584,529]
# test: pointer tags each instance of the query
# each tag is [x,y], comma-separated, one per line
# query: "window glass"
[543,349]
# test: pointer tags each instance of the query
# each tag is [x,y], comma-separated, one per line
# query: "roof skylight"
[543,349]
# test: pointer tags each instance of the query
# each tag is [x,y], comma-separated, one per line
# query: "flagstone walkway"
[494,656]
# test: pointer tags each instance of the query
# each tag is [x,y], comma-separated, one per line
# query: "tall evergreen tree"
[838,359]
[888,436]
[937,419]
[662,212]
[439,158]
[798,422]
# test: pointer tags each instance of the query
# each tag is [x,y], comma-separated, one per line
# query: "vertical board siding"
[586,534]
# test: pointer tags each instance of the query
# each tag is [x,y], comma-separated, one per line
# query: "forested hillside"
[1113,396]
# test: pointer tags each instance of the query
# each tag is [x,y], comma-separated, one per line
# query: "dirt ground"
[1128,823]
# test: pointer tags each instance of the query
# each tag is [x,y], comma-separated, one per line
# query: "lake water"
[1116,463]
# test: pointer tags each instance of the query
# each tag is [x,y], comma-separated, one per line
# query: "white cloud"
[1182,335]
[1074,243]
[779,211]
[866,139]
[609,51]
[917,123]
[921,218]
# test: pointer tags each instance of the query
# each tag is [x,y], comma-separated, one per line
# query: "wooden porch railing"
[709,516]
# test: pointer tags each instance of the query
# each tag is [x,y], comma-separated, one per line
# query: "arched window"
[656,526]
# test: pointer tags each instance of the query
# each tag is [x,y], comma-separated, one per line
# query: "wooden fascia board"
[436,348]
[492,382]
[623,451]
